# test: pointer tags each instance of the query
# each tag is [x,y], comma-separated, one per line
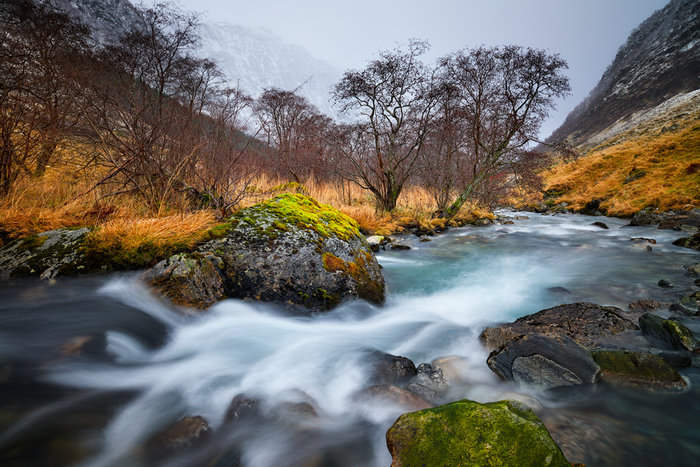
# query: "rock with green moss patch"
[669,331]
[293,249]
[638,369]
[46,255]
[190,279]
[689,242]
[471,434]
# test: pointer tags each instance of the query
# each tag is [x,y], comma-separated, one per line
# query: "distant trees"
[393,99]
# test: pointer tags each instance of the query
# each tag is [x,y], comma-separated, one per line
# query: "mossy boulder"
[46,255]
[689,242]
[638,369]
[290,249]
[670,331]
[467,433]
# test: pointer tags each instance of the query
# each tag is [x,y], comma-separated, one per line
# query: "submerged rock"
[391,369]
[543,361]
[670,331]
[384,394]
[288,249]
[469,433]
[646,304]
[186,432]
[587,324]
[602,225]
[638,369]
[46,255]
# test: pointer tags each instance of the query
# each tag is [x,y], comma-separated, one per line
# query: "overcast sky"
[586,33]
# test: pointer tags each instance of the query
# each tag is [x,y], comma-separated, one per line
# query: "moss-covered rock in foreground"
[290,249]
[467,433]
[638,369]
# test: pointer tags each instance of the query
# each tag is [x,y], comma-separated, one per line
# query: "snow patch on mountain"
[256,59]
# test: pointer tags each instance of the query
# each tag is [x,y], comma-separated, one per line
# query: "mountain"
[257,59]
[254,59]
[659,61]
[107,19]
[638,132]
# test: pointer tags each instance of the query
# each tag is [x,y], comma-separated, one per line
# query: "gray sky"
[586,33]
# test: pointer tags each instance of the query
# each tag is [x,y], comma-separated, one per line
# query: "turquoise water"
[147,365]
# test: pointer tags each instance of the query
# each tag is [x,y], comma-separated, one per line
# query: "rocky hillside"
[638,132]
[660,60]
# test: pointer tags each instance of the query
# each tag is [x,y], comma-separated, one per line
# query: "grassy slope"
[668,162]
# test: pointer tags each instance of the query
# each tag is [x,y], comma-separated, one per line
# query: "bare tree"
[38,48]
[505,94]
[391,96]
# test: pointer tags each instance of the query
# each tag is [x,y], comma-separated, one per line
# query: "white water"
[440,295]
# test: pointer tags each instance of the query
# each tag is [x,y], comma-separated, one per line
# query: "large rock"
[46,255]
[429,383]
[587,324]
[391,369]
[288,249]
[638,369]
[543,361]
[469,433]
[670,331]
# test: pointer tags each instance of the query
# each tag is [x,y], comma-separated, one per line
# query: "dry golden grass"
[670,162]
[123,225]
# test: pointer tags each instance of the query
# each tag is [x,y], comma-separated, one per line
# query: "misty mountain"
[257,59]
[659,62]
[254,59]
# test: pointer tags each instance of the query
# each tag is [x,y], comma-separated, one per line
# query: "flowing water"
[91,369]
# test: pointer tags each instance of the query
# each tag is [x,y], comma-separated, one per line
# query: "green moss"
[219,230]
[328,300]
[296,210]
[635,367]
[469,433]
[682,335]
[367,288]
[32,243]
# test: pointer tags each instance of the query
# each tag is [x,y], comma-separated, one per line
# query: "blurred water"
[146,365]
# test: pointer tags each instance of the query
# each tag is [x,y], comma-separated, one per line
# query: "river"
[92,368]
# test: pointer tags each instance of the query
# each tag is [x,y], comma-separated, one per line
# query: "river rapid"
[91,369]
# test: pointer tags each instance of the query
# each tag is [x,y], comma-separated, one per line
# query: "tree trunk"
[454,208]
[44,157]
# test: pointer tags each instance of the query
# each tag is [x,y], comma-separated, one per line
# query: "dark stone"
[187,432]
[676,360]
[242,408]
[587,324]
[647,216]
[689,242]
[643,239]
[429,383]
[593,208]
[544,361]
[391,369]
[666,284]
[638,369]
[645,305]
[602,225]
[668,330]
[686,306]
[399,246]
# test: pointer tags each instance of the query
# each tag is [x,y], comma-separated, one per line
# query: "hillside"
[637,132]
